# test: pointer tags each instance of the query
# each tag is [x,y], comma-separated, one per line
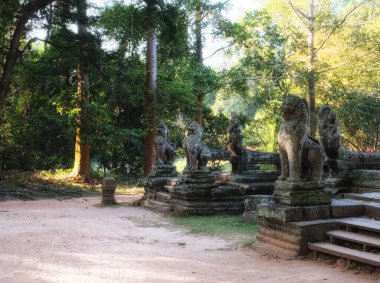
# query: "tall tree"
[150,97]
[199,56]
[205,15]
[316,21]
[82,148]
[27,11]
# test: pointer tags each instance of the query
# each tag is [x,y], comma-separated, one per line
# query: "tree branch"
[299,13]
[57,45]
[338,25]
[27,46]
[216,86]
[220,49]
[346,63]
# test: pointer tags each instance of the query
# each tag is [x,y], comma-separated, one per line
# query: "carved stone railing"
[253,157]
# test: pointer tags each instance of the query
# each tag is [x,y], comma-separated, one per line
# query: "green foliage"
[215,130]
[258,82]
[38,125]
[37,134]
[359,118]
[8,11]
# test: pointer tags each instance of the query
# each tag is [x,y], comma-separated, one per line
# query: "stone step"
[351,254]
[355,208]
[163,197]
[365,240]
[372,196]
[363,224]
[361,190]
[158,206]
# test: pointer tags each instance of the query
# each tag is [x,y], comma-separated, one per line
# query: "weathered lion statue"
[301,156]
[165,150]
[329,131]
[341,161]
[197,154]
[235,136]
[235,145]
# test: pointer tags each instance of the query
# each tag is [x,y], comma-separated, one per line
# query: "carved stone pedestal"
[300,193]
[281,232]
[108,189]
[256,176]
[202,176]
[157,194]
[163,171]
[193,194]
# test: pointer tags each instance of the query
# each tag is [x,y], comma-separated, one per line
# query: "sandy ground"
[78,241]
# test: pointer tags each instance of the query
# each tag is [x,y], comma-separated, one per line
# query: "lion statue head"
[162,132]
[295,108]
[194,129]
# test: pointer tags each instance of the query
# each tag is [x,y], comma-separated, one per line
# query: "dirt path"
[77,241]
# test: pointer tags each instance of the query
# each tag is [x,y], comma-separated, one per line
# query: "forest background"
[90,91]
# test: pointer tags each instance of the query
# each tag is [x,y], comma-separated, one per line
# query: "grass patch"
[125,188]
[227,226]
[54,184]
[180,164]
[42,185]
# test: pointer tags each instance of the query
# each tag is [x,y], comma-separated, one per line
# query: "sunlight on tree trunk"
[199,52]
[150,101]
[82,149]
[311,70]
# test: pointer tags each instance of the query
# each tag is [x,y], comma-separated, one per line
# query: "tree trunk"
[377,136]
[199,53]
[199,110]
[150,101]
[82,148]
[13,54]
[311,71]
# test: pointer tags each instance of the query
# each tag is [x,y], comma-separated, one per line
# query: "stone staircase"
[356,239]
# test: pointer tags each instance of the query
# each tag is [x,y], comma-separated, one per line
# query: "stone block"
[108,189]
[345,208]
[159,206]
[366,178]
[337,182]
[256,176]
[250,206]
[164,197]
[280,212]
[298,185]
[316,212]
[198,176]
[163,170]
[224,177]
[228,190]
[372,210]
[302,193]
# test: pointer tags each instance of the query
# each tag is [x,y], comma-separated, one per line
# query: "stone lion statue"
[235,144]
[341,160]
[165,150]
[301,156]
[235,136]
[329,131]
[197,154]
